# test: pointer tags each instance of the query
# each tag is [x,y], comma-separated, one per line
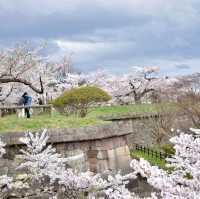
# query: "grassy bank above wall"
[14,124]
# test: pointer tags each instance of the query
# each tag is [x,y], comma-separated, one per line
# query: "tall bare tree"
[141,83]
[189,104]
[161,124]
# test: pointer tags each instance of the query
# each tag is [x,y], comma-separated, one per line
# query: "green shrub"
[168,148]
[77,100]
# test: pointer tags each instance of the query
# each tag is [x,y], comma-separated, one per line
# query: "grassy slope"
[152,160]
[14,124]
[112,110]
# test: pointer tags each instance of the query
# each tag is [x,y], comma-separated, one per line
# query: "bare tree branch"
[7,95]
[25,82]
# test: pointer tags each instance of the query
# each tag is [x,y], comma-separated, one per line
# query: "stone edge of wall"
[75,134]
[129,116]
[120,126]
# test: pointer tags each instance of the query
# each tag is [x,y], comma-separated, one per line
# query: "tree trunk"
[137,99]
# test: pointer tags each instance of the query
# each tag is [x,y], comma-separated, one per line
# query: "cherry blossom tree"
[42,161]
[39,159]
[124,88]
[141,82]
[21,65]
[135,85]
[182,180]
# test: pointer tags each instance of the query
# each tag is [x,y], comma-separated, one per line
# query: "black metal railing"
[150,152]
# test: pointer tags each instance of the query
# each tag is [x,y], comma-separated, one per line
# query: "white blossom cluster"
[181,179]
[118,86]
[39,159]
[42,161]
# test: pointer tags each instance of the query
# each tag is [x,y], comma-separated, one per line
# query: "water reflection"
[117,160]
[112,161]
[101,160]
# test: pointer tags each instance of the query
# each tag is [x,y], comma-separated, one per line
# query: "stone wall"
[70,135]
[98,148]
[128,129]
[100,137]
[122,131]
[141,132]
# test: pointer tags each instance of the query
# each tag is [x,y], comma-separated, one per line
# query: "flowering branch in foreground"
[47,169]
[182,181]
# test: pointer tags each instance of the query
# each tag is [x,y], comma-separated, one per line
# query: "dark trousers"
[27,112]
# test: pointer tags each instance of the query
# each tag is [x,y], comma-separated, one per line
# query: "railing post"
[150,152]
[160,156]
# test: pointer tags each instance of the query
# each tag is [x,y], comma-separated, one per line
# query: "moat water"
[113,161]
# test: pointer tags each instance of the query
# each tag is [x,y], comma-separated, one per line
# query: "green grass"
[116,110]
[14,124]
[152,160]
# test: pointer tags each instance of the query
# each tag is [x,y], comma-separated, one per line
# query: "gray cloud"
[113,34]
[183,67]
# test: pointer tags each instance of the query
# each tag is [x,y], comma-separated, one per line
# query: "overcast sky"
[110,34]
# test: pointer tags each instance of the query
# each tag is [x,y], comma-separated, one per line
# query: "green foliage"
[155,161]
[77,100]
[168,148]
[188,176]
[152,160]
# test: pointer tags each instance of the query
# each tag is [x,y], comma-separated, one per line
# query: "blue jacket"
[27,100]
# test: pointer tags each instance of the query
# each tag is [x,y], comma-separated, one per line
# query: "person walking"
[27,102]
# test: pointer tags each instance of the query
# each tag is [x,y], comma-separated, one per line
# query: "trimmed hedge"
[77,100]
